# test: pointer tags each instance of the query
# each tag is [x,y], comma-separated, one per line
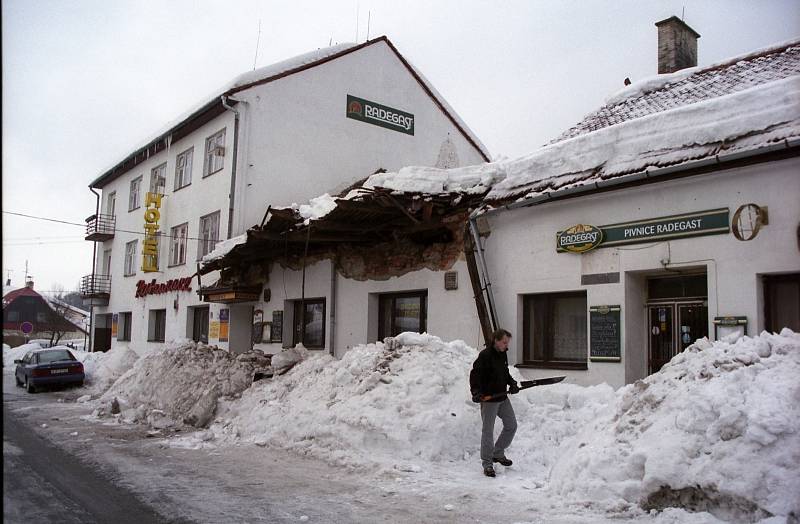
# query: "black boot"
[503,460]
[488,471]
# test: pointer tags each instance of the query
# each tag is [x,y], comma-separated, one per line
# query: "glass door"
[692,323]
[662,339]
[200,325]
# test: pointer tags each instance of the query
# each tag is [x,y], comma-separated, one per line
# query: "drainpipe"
[232,196]
[94,267]
[333,308]
[484,271]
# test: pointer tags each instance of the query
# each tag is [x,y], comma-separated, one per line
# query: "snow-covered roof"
[689,86]
[742,104]
[157,142]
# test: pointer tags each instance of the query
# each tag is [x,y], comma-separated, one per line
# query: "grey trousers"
[489,412]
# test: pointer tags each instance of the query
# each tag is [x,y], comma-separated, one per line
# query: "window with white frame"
[111,203]
[157,325]
[215,153]
[209,234]
[130,258]
[134,200]
[124,331]
[177,244]
[183,169]
[158,179]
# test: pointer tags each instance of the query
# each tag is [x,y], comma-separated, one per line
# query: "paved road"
[42,483]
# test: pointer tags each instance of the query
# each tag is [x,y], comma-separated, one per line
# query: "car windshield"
[46,357]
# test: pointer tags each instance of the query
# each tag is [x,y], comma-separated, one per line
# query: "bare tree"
[57,323]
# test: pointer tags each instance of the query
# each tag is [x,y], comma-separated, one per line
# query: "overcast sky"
[85,81]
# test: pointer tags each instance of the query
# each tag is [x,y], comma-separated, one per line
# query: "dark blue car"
[48,367]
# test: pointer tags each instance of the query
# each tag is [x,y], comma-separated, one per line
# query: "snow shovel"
[525,384]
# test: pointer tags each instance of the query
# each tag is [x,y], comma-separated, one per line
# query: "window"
[312,322]
[183,169]
[130,258]
[111,203]
[107,262]
[158,179]
[209,234]
[124,332]
[157,326]
[402,312]
[215,153]
[177,245]
[554,330]
[133,199]
[13,316]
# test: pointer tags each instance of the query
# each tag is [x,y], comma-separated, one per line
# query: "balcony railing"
[96,289]
[100,227]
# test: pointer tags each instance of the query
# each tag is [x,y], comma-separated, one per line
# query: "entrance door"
[200,324]
[674,326]
[662,340]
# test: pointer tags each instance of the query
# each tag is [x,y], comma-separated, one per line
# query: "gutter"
[646,177]
[232,195]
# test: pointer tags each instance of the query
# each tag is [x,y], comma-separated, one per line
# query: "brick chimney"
[29,283]
[677,45]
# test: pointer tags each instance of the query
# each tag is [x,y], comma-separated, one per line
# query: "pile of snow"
[102,369]
[181,384]
[224,247]
[317,208]
[16,353]
[717,429]
[399,405]
[288,358]
[468,180]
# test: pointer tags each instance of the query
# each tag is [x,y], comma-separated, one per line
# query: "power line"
[116,230]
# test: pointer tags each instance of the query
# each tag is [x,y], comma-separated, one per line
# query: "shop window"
[124,332]
[183,169]
[214,154]
[177,244]
[133,198]
[554,330]
[130,258]
[157,326]
[401,312]
[311,325]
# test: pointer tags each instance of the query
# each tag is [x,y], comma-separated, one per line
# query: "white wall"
[522,258]
[298,142]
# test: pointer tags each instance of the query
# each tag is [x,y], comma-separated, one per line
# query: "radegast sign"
[578,239]
[581,238]
[379,115]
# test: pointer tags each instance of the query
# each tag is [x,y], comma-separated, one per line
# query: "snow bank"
[12,354]
[717,429]
[181,384]
[102,369]
[317,208]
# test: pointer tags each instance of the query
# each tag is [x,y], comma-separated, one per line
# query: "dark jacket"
[490,374]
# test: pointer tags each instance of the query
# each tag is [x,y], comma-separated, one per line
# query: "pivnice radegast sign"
[584,237]
[379,115]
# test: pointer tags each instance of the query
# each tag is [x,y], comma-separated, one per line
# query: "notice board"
[277,327]
[604,334]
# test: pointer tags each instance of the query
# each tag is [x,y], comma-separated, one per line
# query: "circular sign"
[26,327]
[747,221]
[579,238]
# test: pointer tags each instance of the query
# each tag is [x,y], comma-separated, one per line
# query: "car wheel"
[30,387]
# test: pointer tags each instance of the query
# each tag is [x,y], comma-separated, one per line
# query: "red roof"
[21,292]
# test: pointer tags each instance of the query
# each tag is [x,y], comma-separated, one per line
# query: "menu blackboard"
[277,327]
[604,334]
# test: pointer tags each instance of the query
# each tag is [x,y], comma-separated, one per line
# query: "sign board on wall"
[709,222]
[379,115]
[152,204]
[224,316]
[114,325]
[604,334]
[277,327]
[213,330]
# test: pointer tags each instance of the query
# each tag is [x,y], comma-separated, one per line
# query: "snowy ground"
[715,432]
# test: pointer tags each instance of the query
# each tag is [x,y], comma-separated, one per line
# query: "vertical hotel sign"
[152,215]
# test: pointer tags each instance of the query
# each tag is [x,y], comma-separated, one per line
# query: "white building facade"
[281,134]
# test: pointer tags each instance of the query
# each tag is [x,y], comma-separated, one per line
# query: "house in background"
[285,133]
[28,315]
